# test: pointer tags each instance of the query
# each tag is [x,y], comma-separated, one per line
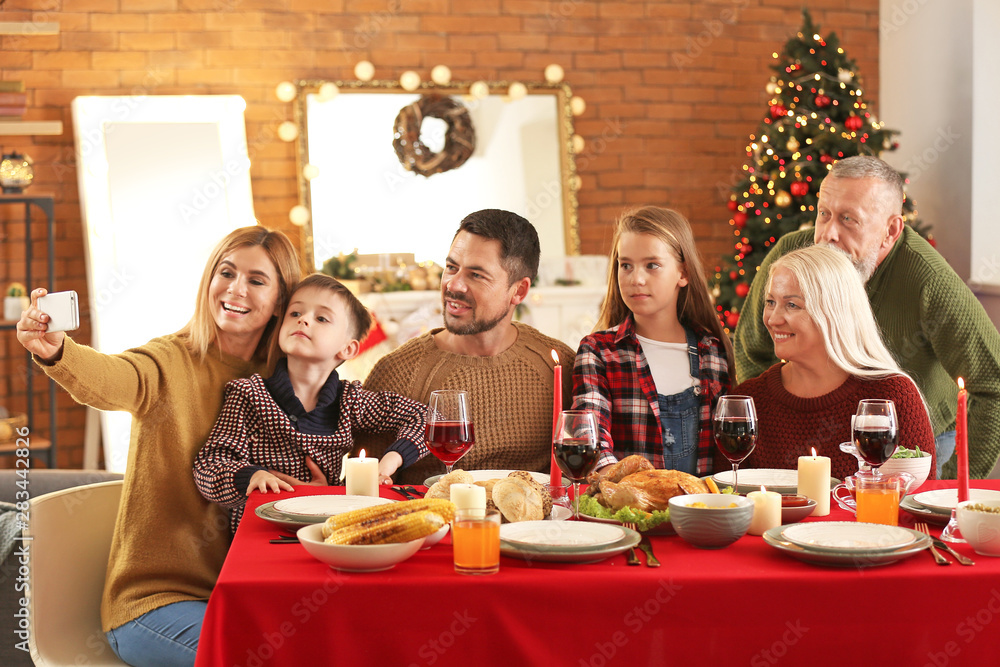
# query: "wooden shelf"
[28,28]
[28,127]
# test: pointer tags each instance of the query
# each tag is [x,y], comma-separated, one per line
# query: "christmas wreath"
[459,141]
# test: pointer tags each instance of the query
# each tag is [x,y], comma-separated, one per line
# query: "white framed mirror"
[359,195]
[162,179]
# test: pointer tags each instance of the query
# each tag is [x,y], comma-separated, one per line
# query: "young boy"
[304,413]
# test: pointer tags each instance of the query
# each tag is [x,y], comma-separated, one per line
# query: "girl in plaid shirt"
[274,431]
[659,358]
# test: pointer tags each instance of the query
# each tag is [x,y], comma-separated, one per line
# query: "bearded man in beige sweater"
[506,366]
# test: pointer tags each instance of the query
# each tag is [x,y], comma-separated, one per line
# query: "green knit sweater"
[510,396]
[931,322]
[169,542]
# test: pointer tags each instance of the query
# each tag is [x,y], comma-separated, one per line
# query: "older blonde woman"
[820,320]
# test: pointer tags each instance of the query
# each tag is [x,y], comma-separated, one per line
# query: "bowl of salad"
[913,461]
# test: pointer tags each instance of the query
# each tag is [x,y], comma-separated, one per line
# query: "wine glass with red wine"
[574,446]
[449,433]
[735,429]
[875,430]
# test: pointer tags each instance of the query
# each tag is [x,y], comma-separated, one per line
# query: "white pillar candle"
[362,476]
[814,481]
[469,497]
[766,511]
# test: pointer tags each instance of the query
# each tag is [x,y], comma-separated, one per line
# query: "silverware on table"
[285,540]
[647,548]
[938,558]
[964,560]
[630,557]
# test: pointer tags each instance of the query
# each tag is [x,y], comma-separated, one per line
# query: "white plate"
[927,514]
[779,480]
[570,534]
[848,536]
[485,475]
[295,521]
[564,555]
[945,500]
[326,506]
[844,558]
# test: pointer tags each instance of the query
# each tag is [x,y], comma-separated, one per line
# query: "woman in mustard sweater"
[169,542]
[817,313]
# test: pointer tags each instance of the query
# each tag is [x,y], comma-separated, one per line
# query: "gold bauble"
[793,144]
[782,199]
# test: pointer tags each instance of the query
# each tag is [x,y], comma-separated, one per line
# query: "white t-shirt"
[669,364]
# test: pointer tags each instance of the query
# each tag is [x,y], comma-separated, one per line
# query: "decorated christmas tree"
[816,115]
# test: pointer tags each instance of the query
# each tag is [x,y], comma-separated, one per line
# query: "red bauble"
[778,110]
[825,159]
[853,123]
[740,219]
[799,188]
[732,205]
[932,241]
[742,289]
[822,101]
[732,319]
[733,275]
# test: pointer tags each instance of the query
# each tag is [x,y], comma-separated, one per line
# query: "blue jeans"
[164,637]
[945,448]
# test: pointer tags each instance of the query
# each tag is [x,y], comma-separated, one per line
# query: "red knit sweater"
[789,426]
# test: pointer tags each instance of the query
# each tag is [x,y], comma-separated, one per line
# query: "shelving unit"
[39,447]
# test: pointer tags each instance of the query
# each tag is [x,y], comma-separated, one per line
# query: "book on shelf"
[11,86]
[13,99]
[12,112]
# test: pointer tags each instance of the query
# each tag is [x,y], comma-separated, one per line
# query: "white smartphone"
[63,309]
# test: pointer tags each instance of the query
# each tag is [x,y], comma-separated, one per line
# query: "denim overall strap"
[680,419]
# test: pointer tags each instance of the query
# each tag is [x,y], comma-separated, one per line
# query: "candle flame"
[814,451]
[961,383]
[763,489]
[361,454]
[555,356]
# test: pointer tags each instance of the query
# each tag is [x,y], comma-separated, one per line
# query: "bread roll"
[442,487]
[530,479]
[518,500]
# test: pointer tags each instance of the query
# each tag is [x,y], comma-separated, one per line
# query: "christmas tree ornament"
[799,188]
[733,205]
[782,199]
[742,289]
[740,219]
[732,319]
[733,275]
[822,101]
[772,88]
[853,123]
[792,144]
[716,291]
[778,110]
[844,75]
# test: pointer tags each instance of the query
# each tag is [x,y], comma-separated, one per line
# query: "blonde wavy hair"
[694,303]
[835,299]
[201,332]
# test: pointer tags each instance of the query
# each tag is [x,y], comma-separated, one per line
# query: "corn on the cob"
[411,526]
[368,516]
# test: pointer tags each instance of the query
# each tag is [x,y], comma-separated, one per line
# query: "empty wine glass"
[735,429]
[574,446]
[449,432]
[875,430]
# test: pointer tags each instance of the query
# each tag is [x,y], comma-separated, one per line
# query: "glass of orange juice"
[878,499]
[475,536]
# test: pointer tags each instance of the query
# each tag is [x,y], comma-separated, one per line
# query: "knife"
[959,557]
[647,548]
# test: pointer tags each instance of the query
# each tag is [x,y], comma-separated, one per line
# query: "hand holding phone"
[63,310]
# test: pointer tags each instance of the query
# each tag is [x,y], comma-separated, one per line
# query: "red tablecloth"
[745,604]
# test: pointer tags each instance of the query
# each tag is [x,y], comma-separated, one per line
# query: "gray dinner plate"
[557,554]
[847,558]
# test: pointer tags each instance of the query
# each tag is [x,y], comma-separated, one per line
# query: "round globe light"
[327,91]
[479,90]
[441,75]
[299,215]
[285,91]
[288,131]
[554,73]
[409,80]
[577,105]
[310,171]
[517,91]
[578,143]
[364,70]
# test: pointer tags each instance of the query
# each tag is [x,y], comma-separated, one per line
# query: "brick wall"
[673,89]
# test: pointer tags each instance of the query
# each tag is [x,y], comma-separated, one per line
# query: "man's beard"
[865,266]
[475,326]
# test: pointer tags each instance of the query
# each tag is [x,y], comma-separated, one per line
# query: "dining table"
[746,604]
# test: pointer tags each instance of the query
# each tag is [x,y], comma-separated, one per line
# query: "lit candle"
[766,511]
[962,441]
[555,475]
[469,497]
[362,475]
[814,481]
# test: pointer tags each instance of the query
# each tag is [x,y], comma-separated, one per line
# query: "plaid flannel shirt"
[611,376]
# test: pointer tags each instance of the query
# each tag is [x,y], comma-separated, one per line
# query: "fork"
[963,560]
[631,558]
[647,547]
[938,558]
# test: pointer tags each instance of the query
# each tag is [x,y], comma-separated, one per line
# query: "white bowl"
[920,468]
[435,537]
[712,527]
[980,529]
[355,557]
